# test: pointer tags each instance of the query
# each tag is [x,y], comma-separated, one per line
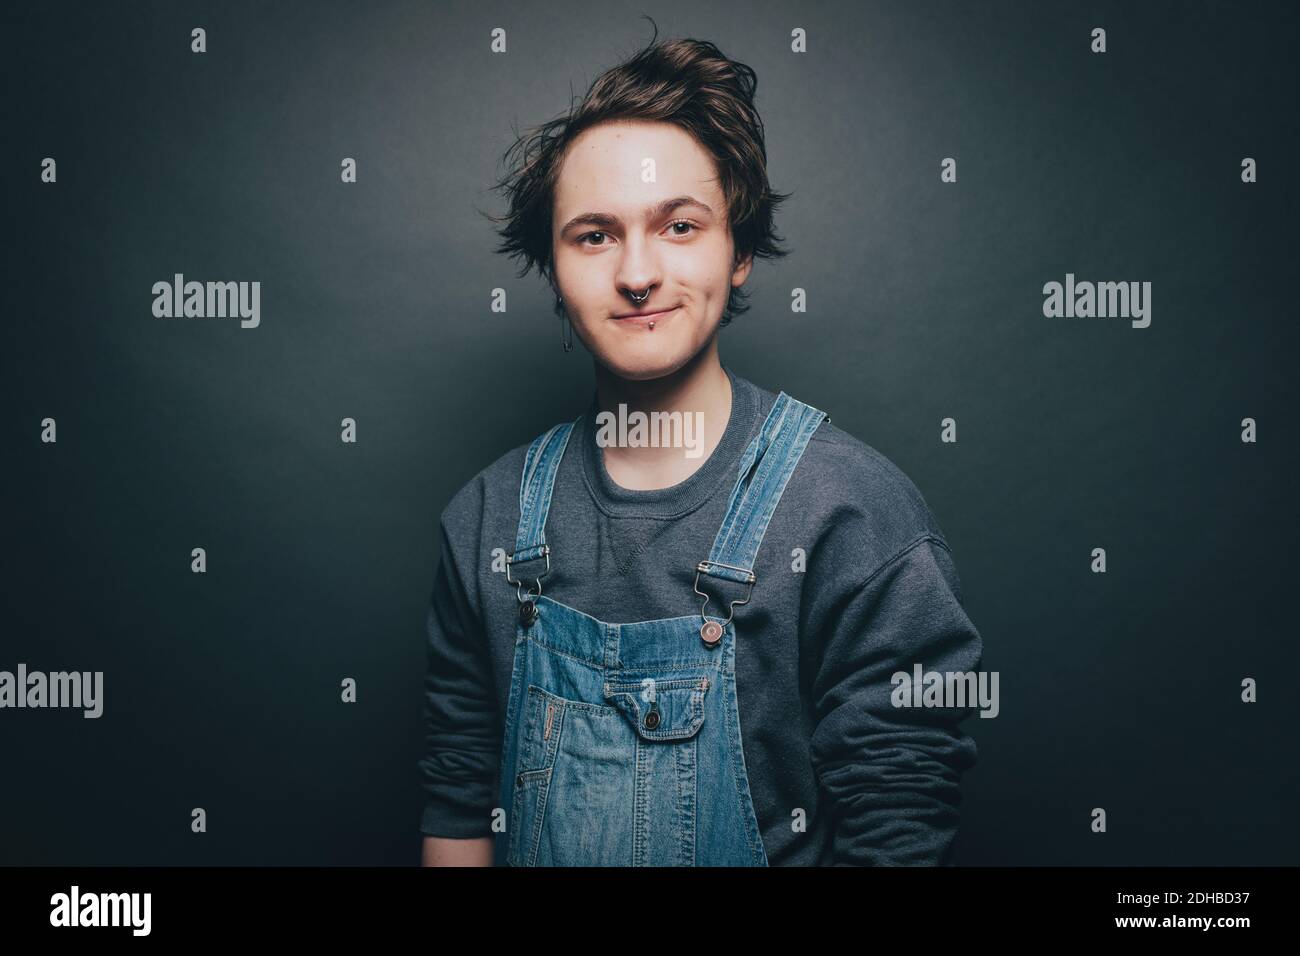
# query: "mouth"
[644,318]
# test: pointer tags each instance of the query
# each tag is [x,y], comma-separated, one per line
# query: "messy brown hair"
[685,82]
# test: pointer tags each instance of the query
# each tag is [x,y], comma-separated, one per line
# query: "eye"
[691,227]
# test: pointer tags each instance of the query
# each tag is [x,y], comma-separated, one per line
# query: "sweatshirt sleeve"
[459,761]
[891,775]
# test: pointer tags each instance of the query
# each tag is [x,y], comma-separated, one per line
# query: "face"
[638,207]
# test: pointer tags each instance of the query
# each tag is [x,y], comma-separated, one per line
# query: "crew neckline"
[687,494]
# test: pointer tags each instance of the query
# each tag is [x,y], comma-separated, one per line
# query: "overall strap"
[536,484]
[762,475]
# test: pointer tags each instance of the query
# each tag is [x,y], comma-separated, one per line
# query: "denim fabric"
[622,742]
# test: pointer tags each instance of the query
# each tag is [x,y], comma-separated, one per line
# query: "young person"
[643,654]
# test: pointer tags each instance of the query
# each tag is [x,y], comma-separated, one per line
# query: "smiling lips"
[647,319]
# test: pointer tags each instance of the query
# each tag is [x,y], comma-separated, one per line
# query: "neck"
[701,386]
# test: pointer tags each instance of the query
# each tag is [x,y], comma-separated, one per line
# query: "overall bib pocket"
[667,721]
[665,710]
[561,742]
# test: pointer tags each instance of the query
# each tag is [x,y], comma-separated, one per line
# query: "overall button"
[527,613]
[711,632]
[652,720]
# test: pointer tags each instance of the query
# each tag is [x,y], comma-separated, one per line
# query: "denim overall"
[622,741]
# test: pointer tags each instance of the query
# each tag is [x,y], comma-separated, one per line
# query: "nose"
[638,270]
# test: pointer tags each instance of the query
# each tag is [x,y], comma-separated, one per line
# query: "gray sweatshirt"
[855,584]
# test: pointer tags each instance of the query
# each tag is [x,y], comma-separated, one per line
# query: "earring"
[566,333]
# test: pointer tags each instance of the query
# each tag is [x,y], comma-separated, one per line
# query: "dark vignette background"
[222,690]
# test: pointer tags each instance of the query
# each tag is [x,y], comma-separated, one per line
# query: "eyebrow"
[604,220]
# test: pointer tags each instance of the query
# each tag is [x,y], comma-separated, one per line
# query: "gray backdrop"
[1119,690]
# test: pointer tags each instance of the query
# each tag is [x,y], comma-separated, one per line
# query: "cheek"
[572,273]
[703,266]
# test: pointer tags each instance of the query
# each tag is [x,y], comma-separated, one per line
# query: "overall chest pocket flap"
[671,709]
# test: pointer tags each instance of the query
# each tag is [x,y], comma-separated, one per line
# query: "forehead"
[608,165]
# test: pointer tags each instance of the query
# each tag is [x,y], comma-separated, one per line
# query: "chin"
[645,367]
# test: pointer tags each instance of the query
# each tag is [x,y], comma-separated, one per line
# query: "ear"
[742,270]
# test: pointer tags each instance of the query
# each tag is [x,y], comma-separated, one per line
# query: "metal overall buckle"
[527,606]
[711,631]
